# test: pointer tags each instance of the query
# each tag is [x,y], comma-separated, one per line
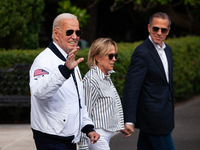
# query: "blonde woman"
[101,98]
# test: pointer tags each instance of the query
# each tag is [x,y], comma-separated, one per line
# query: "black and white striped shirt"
[102,101]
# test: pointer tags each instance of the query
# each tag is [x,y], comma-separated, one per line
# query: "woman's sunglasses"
[163,30]
[110,56]
[70,32]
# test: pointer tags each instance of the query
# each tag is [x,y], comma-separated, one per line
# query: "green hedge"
[186,56]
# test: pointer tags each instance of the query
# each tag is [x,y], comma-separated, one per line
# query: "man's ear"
[55,33]
[149,28]
[168,30]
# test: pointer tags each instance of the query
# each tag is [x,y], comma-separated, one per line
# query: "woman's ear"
[97,58]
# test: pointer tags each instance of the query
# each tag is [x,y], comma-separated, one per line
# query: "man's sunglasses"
[163,30]
[70,32]
[110,56]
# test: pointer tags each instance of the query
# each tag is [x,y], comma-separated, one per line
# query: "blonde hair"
[59,18]
[99,47]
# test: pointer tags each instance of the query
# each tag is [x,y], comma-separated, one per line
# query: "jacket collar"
[56,51]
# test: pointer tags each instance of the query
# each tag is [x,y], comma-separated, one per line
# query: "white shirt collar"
[156,45]
[101,74]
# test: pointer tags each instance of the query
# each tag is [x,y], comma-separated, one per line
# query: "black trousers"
[50,146]
[155,142]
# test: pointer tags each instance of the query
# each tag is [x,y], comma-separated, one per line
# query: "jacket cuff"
[65,71]
[87,129]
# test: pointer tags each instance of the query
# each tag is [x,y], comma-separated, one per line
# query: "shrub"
[11,57]
[186,71]
[186,56]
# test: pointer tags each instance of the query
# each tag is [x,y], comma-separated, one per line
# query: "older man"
[58,113]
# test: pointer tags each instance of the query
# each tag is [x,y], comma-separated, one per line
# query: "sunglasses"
[110,56]
[70,32]
[163,30]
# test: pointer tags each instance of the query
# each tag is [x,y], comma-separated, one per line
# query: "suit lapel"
[155,56]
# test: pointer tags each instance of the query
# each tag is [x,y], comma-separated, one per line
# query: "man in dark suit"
[148,91]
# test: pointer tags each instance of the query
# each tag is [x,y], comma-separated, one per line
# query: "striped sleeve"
[90,96]
[83,143]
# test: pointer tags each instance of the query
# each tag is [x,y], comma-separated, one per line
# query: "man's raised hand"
[71,62]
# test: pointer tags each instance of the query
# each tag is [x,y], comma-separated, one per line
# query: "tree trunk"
[89,30]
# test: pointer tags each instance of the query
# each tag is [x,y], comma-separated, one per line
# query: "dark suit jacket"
[147,96]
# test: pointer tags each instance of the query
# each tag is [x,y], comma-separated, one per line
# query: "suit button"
[64,120]
[170,99]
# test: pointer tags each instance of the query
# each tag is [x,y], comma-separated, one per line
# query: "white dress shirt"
[162,54]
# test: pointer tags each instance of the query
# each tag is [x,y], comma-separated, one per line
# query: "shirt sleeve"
[89,101]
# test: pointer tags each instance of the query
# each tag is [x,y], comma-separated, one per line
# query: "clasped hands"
[128,130]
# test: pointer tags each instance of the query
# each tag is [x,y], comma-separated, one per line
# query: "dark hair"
[160,15]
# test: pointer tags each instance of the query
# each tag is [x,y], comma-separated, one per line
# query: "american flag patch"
[40,72]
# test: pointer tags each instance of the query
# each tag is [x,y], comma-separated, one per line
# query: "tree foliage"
[20,23]
[65,6]
[185,15]
[143,5]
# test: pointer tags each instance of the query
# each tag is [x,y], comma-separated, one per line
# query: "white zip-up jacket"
[55,106]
